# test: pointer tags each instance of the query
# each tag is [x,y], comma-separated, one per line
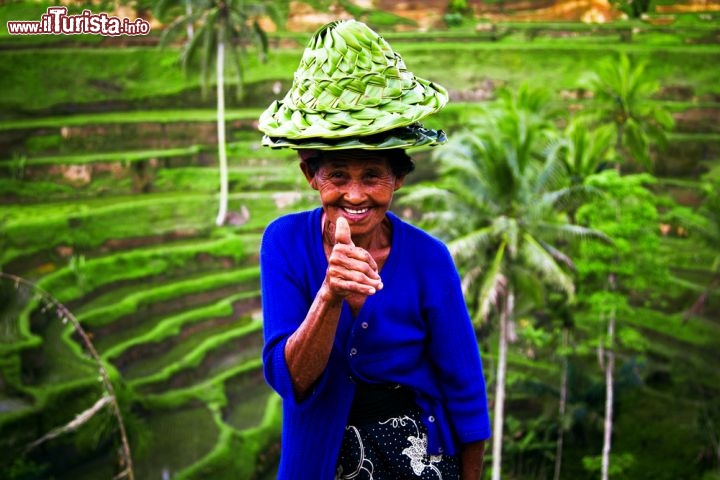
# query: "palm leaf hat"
[351,90]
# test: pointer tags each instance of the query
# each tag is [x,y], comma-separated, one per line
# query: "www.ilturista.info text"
[57,22]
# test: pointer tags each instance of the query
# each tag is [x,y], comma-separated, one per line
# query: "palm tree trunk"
[609,367]
[561,409]
[222,153]
[188,12]
[500,386]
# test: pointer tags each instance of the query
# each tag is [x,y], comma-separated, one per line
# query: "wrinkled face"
[356,184]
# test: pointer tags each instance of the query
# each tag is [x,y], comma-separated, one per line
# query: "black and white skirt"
[392,449]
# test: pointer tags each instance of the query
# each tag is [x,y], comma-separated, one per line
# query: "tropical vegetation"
[578,193]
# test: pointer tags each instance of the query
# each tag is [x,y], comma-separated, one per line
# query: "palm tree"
[498,203]
[583,150]
[219,24]
[621,98]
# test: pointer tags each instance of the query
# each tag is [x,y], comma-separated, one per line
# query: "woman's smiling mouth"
[359,211]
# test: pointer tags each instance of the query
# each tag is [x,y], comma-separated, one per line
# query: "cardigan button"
[364,324]
[431,419]
[353,351]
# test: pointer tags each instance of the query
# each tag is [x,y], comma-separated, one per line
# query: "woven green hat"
[352,91]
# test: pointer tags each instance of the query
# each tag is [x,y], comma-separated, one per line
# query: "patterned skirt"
[392,449]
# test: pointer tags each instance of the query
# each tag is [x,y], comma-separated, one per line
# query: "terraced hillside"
[108,185]
[126,240]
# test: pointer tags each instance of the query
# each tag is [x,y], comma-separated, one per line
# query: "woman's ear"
[309,176]
[399,182]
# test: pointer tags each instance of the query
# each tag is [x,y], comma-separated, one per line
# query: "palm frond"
[162,6]
[552,173]
[178,25]
[278,13]
[569,197]
[558,256]
[262,41]
[188,54]
[425,194]
[239,70]
[637,141]
[471,245]
[469,279]
[209,48]
[540,260]
[492,286]
[573,232]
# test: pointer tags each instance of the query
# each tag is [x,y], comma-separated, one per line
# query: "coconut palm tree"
[621,98]
[582,149]
[499,205]
[220,27]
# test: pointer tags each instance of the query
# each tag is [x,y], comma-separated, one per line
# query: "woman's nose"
[355,192]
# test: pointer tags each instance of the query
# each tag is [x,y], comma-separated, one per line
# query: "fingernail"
[371,291]
[380,286]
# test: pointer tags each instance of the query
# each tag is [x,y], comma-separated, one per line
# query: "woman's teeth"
[356,212]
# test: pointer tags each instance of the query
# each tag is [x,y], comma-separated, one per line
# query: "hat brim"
[403,137]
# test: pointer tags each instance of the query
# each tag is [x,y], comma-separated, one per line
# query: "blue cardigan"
[415,331]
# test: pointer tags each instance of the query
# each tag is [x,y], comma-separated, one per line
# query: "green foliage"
[173,325]
[231,23]
[137,264]
[457,12]
[619,463]
[77,266]
[131,303]
[376,19]
[144,75]
[709,230]
[237,453]
[85,227]
[633,8]
[499,202]
[459,6]
[17,166]
[583,150]
[621,94]
[682,350]
[627,214]
[618,279]
[24,469]
[194,358]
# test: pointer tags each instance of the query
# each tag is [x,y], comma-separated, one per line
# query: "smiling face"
[358,185]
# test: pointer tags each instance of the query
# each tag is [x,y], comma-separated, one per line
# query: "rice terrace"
[130,308]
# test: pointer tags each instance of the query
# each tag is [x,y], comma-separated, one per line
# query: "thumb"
[342,231]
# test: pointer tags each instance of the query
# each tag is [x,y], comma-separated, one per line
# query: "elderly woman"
[367,337]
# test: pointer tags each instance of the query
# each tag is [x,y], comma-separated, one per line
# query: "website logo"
[57,22]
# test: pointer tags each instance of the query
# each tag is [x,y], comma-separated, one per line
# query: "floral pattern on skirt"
[393,449]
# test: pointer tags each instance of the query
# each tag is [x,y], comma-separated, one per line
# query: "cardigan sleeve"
[286,298]
[454,350]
